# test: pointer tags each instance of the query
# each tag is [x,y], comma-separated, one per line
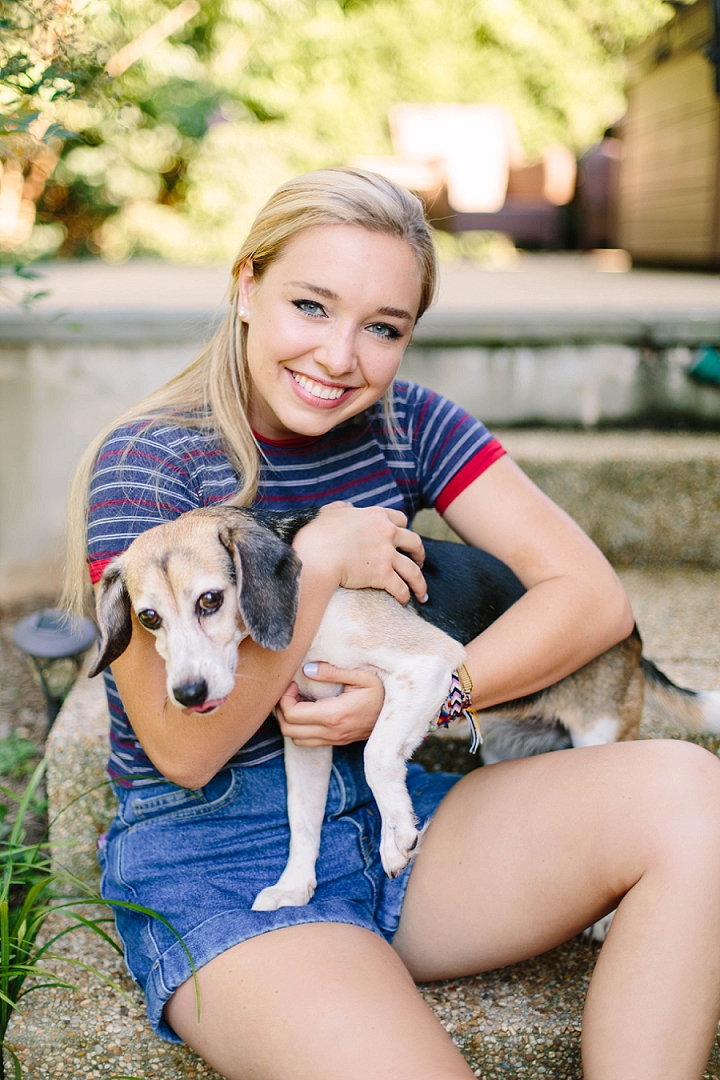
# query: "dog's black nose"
[191,693]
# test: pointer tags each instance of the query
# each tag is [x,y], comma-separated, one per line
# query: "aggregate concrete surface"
[522,1021]
[645,497]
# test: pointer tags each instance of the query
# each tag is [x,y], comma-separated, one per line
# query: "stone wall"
[559,347]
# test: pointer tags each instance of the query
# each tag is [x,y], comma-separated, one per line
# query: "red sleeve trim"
[470,471]
[96,567]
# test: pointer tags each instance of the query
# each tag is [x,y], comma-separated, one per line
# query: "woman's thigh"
[523,855]
[319,1001]
[518,858]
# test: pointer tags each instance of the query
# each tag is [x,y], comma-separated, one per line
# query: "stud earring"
[242,312]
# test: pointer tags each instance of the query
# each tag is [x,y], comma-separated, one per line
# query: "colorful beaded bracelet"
[458,704]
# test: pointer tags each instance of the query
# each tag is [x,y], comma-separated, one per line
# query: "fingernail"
[424,599]
[310,669]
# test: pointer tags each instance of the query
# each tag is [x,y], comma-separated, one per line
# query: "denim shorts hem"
[199,859]
[230,928]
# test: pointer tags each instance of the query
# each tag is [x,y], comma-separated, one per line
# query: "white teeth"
[316,389]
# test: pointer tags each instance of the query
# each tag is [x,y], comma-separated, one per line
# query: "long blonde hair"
[212,393]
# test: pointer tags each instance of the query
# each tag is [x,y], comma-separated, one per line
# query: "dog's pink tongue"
[207,706]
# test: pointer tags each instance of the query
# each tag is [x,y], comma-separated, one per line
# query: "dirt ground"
[23,722]
[22,706]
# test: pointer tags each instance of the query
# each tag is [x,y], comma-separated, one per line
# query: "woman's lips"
[320,395]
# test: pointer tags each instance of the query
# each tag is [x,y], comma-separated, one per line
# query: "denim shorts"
[199,858]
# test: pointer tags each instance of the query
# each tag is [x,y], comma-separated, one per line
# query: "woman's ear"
[246,285]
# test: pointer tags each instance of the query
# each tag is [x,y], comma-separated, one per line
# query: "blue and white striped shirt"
[145,475]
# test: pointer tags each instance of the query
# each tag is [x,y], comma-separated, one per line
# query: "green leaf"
[26,799]
[17,1068]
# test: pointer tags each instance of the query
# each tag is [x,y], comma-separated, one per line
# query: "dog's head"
[200,584]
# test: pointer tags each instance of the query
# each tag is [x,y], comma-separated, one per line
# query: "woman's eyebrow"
[398,313]
[327,293]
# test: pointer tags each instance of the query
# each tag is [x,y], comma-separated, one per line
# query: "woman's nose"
[338,353]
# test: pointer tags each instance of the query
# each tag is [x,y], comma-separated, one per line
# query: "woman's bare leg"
[321,1001]
[518,858]
[523,855]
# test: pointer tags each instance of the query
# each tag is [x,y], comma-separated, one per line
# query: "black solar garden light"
[55,645]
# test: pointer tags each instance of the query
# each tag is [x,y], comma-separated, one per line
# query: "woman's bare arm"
[344,545]
[575,607]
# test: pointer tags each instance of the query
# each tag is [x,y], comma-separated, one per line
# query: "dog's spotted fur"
[245,558]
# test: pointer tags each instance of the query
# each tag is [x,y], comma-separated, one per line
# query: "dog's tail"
[675,707]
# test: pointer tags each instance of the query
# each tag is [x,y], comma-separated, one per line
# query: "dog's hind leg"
[413,696]
[307,769]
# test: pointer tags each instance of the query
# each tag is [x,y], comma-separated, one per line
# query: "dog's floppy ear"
[268,573]
[113,616]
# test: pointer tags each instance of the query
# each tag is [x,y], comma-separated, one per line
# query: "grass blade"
[24,803]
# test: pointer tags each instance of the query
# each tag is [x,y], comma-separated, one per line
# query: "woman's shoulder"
[170,462]
[417,411]
[173,438]
[147,472]
[175,448]
[408,393]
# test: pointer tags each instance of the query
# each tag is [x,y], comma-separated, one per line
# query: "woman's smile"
[328,323]
[317,393]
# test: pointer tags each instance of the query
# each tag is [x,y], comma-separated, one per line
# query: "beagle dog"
[208,579]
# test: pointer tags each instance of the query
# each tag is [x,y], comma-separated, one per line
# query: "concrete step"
[646,498]
[522,1021]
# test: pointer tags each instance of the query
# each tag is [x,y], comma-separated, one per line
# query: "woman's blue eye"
[309,307]
[384,330]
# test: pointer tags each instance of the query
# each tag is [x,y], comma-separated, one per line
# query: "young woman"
[294,402]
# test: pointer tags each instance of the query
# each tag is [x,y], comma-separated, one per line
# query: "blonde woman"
[295,402]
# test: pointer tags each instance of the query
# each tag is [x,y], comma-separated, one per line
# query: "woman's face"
[328,323]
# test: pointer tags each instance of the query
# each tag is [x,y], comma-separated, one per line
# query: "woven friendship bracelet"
[458,704]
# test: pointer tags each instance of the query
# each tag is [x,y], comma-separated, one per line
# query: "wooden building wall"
[669,198]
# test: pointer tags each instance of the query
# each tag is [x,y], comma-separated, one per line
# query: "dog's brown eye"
[209,602]
[149,619]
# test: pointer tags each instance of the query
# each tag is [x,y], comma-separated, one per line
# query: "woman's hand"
[332,721]
[366,548]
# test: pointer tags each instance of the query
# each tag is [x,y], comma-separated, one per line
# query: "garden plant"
[33,891]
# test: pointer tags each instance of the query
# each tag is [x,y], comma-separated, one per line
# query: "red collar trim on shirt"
[301,440]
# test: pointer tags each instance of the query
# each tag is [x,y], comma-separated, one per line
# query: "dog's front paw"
[397,847]
[277,896]
[599,930]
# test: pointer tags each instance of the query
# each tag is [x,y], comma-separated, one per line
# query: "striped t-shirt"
[146,475]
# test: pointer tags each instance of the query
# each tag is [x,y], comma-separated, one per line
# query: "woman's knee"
[680,788]
[682,768]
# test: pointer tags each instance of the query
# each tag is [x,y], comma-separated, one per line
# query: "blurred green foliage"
[200,129]
[46,55]
[16,756]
